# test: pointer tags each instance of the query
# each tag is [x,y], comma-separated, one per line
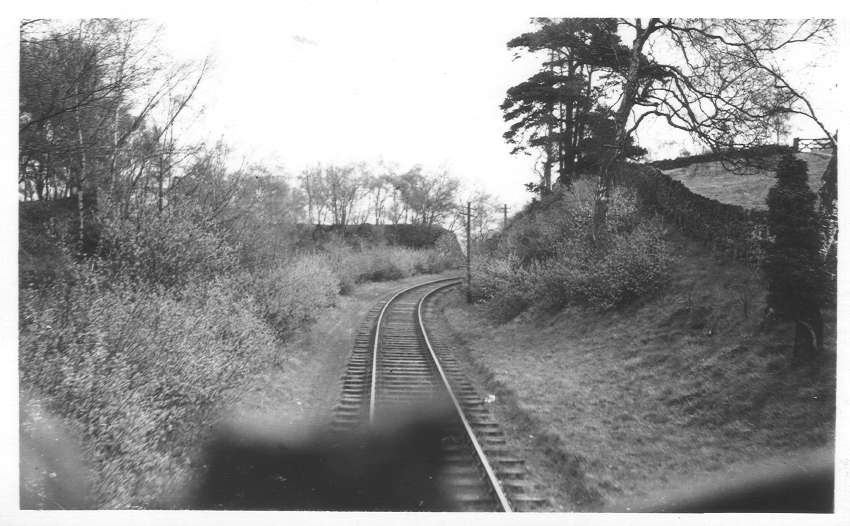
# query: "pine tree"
[793,265]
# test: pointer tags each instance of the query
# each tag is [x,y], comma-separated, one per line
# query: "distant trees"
[430,198]
[263,214]
[350,194]
[793,264]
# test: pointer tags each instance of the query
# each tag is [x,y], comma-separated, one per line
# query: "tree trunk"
[80,180]
[630,89]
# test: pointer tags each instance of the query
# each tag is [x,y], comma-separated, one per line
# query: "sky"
[363,84]
[370,81]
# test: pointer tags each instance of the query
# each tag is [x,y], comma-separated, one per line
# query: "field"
[747,190]
[685,388]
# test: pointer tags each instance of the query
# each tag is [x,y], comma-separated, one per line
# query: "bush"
[292,294]
[633,265]
[170,248]
[561,217]
[382,263]
[793,264]
[139,371]
[503,285]
[549,261]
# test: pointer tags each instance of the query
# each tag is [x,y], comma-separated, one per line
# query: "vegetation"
[687,386]
[720,83]
[561,110]
[158,283]
[547,259]
[350,194]
[139,372]
[793,264]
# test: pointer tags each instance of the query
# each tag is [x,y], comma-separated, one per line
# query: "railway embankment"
[690,384]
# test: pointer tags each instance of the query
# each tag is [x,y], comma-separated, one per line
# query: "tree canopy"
[720,80]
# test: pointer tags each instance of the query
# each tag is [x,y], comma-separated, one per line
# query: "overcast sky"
[344,81]
[364,83]
[369,81]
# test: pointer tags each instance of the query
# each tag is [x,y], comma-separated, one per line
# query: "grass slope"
[682,388]
[748,190]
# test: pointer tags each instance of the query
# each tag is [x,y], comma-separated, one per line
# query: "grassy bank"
[671,389]
[749,190]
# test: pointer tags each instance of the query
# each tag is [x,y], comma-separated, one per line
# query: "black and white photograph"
[445,259]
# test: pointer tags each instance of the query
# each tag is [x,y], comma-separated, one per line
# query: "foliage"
[261,221]
[828,214]
[549,261]
[792,264]
[170,248]
[541,230]
[410,236]
[293,293]
[97,114]
[139,371]
[503,284]
[381,263]
[430,198]
[560,110]
[348,194]
[634,264]
[721,83]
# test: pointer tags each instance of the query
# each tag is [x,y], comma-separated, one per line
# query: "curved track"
[396,369]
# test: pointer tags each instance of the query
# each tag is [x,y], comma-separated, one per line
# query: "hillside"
[646,372]
[689,386]
[749,190]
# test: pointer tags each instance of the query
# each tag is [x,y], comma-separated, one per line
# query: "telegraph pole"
[468,252]
[505,221]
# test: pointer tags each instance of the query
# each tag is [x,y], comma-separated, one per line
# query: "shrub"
[564,216]
[793,264]
[170,248]
[633,265]
[292,294]
[565,267]
[381,263]
[503,285]
[139,371]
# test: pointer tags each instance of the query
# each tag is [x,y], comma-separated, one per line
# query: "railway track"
[397,368]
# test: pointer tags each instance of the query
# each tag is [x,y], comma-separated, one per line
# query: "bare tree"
[722,86]
[343,187]
[91,118]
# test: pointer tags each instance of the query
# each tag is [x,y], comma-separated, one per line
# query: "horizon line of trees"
[102,115]
[355,193]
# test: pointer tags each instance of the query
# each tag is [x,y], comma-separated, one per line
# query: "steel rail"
[377,341]
[491,475]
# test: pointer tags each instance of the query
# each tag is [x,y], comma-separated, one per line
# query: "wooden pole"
[505,220]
